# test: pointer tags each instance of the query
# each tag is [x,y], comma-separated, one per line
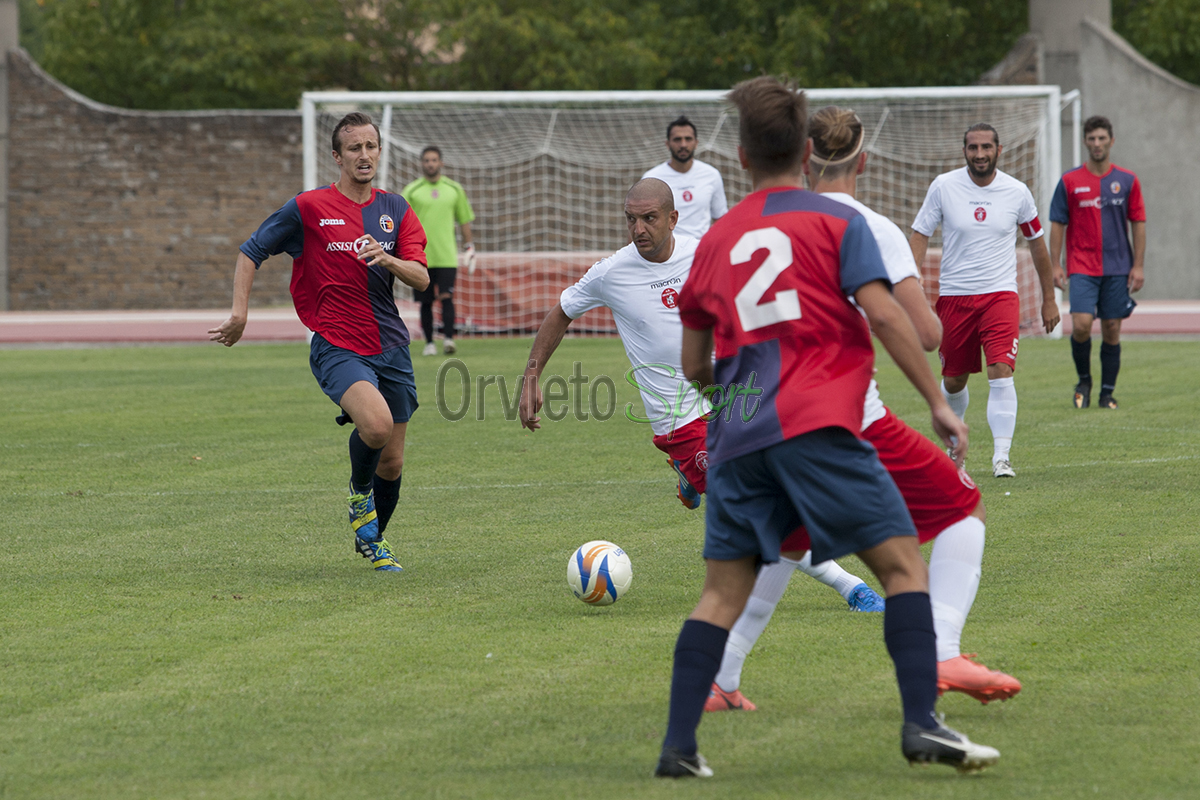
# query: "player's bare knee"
[980,513]
[955,383]
[375,433]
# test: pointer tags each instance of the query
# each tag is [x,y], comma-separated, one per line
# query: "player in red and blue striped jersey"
[770,287]
[349,242]
[1098,205]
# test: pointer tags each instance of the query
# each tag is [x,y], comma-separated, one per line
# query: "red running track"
[1152,317]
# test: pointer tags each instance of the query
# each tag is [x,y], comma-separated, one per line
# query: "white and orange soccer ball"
[599,573]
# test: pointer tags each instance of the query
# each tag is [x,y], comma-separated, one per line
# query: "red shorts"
[991,321]
[688,446]
[937,493]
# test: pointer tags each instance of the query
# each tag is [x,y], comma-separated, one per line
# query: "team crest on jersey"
[687,196]
[702,461]
[1115,186]
[669,297]
[433,193]
[386,223]
[980,214]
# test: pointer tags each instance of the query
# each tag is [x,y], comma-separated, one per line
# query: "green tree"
[1165,31]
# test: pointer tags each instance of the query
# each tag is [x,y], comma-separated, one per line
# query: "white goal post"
[546,172]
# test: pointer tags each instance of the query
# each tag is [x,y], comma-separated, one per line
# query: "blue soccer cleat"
[863,598]
[687,493]
[379,553]
[362,515]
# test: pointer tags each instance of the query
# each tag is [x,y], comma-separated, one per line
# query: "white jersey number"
[786,305]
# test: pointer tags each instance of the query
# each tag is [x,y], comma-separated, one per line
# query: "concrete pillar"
[1058,24]
[9,40]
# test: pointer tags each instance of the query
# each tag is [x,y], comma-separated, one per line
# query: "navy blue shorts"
[391,372]
[1106,297]
[828,480]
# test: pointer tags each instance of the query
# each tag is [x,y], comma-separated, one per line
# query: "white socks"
[954,570]
[768,591]
[958,402]
[1002,416]
[831,574]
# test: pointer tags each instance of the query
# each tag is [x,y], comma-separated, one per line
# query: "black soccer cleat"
[942,745]
[1083,393]
[674,764]
[1107,400]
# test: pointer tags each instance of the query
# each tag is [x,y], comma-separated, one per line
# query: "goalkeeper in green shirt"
[440,203]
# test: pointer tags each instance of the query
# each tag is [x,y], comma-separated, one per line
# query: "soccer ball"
[599,573]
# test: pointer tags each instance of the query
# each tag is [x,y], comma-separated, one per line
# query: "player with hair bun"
[945,504]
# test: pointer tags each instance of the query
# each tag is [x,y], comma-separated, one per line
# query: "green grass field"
[182,615]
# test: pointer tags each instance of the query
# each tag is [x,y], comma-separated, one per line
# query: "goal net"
[547,172]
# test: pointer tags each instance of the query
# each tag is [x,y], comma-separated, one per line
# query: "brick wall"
[117,209]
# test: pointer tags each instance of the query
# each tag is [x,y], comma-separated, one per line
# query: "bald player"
[639,284]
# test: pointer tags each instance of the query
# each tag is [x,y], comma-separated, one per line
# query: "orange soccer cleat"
[721,700]
[964,674]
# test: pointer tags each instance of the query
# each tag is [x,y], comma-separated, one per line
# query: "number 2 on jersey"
[786,305]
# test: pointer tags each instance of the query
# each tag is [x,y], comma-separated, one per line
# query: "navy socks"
[363,461]
[698,653]
[387,493]
[1110,365]
[908,634]
[1082,353]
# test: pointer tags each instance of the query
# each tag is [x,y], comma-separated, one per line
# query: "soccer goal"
[547,172]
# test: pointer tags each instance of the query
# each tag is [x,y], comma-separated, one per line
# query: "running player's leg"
[426,297]
[687,455]
[1084,293]
[959,349]
[1114,305]
[446,279]
[398,387]
[999,332]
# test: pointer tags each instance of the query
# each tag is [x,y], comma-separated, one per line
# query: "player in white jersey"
[944,503]
[697,187]
[979,209]
[639,283]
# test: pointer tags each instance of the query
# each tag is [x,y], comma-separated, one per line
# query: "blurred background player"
[941,498]
[440,203]
[1099,205]
[697,187]
[979,208]
[349,242]
[769,287]
[640,284]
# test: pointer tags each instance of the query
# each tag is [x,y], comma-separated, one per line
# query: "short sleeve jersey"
[898,261]
[349,303]
[772,280]
[439,205]
[1096,210]
[699,195]
[643,298]
[978,223]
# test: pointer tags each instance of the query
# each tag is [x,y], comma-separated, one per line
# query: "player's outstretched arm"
[696,356]
[549,336]
[895,331]
[911,297]
[232,329]
[1045,272]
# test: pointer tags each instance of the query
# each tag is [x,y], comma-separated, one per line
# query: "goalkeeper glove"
[469,258]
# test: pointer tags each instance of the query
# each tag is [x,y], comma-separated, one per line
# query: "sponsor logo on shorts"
[386,224]
[687,196]
[1115,186]
[980,214]
[702,461]
[669,297]
[965,479]
[325,222]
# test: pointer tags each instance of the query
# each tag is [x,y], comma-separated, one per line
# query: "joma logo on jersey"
[1082,189]
[325,222]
